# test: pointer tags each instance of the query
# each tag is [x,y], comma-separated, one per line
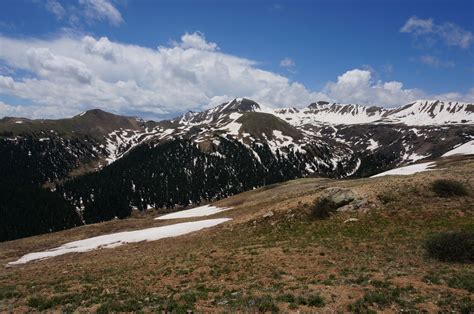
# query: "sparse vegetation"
[388,197]
[464,280]
[379,299]
[451,246]
[448,188]
[253,264]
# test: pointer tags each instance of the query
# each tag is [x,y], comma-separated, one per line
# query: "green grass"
[380,299]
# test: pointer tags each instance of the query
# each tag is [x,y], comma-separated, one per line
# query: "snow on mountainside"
[422,112]
[330,135]
[429,112]
[324,112]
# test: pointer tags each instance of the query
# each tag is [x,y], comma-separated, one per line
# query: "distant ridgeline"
[97,166]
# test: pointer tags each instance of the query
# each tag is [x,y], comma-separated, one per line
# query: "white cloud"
[56,8]
[102,10]
[287,63]
[436,62]
[449,33]
[46,64]
[196,40]
[356,86]
[79,12]
[87,72]
[454,35]
[102,47]
[66,75]
[417,26]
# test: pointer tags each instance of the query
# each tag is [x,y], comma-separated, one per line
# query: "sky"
[158,59]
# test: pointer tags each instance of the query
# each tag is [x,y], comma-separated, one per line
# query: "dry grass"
[265,262]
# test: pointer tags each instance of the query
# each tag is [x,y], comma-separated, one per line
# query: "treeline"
[178,173]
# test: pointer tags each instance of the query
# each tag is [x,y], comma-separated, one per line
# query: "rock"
[351,220]
[339,196]
[343,199]
[268,214]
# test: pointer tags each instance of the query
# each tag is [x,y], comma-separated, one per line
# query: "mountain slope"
[107,165]
[271,256]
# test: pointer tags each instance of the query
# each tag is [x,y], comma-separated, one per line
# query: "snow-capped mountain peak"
[420,112]
[239,105]
[432,112]
[331,113]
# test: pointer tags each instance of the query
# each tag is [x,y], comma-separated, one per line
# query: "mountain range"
[99,166]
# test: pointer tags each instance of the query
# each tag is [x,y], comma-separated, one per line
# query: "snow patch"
[464,149]
[205,210]
[120,238]
[373,145]
[406,170]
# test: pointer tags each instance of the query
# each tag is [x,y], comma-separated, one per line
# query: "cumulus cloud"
[196,40]
[102,47]
[66,75]
[448,33]
[190,74]
[48,65]
[357,86]
[102,10]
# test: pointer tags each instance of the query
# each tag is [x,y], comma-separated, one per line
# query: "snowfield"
[201,211]
[411,169]
[116,239]
[464,149]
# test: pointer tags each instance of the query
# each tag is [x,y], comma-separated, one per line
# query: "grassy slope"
[270,256]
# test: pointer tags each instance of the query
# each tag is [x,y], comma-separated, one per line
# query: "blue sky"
[60,57]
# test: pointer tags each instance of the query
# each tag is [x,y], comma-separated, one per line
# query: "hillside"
[270,256]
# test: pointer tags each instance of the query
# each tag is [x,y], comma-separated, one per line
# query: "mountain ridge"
[106,165]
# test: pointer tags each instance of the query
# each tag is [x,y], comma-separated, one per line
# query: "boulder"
[339,196]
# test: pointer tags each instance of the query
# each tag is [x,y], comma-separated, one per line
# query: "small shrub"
[288,298]
[315,300]
[451,246]
[448,188]
[263,303]
[323,208]
[388,197]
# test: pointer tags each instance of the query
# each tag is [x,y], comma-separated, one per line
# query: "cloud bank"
[65,75]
